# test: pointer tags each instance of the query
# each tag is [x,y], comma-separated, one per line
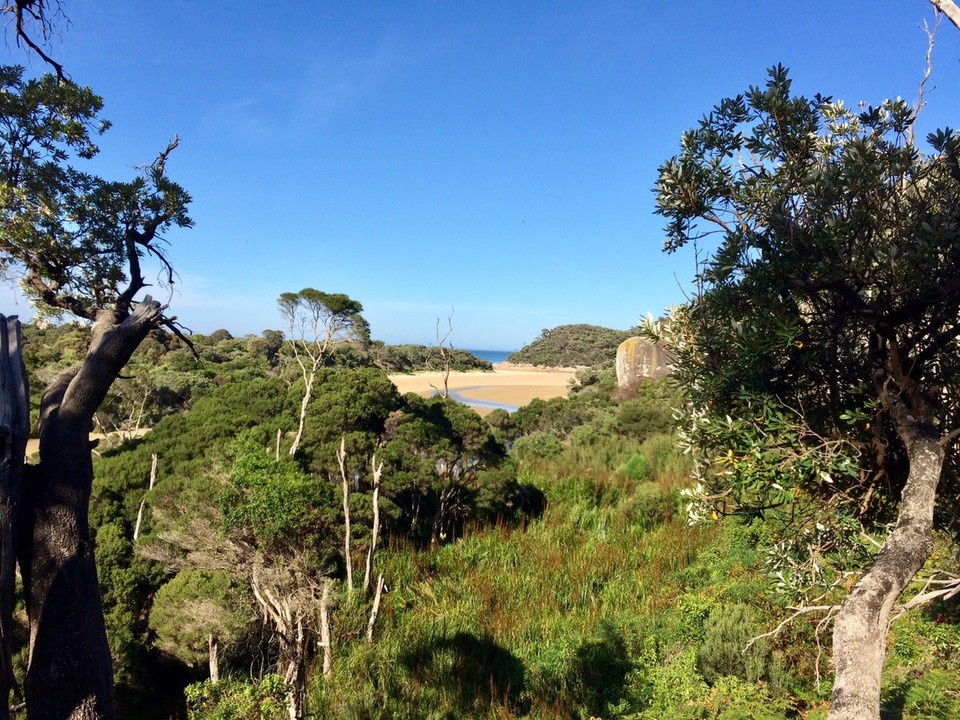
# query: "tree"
[195,612]
[444,466]
[315,321]
[77,241]
[820,354]
[270,524]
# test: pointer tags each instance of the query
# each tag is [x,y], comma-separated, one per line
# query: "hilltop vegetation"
[565,581]
[557,580]
[573,346]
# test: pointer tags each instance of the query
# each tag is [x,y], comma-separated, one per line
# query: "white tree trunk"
[304,404]
[375,610]
[143,503]
[325,630]
[214,659]
[948,8]
[341,460]
[860,632]
[374,534]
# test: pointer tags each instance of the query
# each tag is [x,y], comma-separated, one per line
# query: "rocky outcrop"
[638,358]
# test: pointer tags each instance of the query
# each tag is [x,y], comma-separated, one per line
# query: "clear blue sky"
[496,158]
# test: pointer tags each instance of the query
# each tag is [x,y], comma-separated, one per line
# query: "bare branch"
[36,11]
[948,8]
[928,70]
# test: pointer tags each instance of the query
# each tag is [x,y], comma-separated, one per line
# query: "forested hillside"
[573,346]
[559,579]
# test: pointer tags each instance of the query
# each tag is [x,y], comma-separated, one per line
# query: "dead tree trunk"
[286,613]
[375,610]
[213,653]
[14,429]
[375,532]
[143,503]
[309,379]
[70,675]
[325,630]
[348,560]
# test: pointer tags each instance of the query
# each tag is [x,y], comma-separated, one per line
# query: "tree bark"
[860,632]
[213,654]
[375,532]
[325,642]
[14,429]
[948,8]
[70,673]
[304,404]
[348,560]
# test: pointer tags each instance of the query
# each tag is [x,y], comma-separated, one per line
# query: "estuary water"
[493,356]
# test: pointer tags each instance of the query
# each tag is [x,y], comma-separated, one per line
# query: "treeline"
[234,528]
[535,564]
[166,375]
[573,346]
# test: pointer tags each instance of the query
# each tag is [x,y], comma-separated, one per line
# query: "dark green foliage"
[537,445]
[727,648]
[238,700]
[194,605]
[347,403]
[273,504]
[443,466]
[416,358]
[573,346]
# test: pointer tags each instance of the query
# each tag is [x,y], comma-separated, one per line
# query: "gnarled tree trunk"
[14,429]
[860,632]
[70,675]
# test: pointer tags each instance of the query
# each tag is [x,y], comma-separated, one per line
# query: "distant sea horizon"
[492,356]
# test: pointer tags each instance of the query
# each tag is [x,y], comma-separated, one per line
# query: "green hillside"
[569,583]
[573,346]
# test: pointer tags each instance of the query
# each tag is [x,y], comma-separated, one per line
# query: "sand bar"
[514,385]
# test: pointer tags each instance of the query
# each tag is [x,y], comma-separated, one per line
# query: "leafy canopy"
[829,297]
[76,240]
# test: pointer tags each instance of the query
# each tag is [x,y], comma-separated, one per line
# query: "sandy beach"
[512,385]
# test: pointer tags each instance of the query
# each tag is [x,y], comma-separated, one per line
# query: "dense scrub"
[560,579]
[573,346]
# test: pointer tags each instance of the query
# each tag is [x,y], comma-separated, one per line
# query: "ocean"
[493,356]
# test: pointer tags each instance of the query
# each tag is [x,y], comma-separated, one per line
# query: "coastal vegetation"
[566,582]
[578,345]
[272,530]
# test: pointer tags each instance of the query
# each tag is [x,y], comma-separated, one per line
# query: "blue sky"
[494,158]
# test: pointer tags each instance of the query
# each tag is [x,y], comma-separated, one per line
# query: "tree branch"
[37,11]
[948,8]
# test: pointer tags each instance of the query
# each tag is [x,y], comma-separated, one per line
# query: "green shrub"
[649,506]
[934,695]
[237,700]
[636,468]
[538,445]
[727,649]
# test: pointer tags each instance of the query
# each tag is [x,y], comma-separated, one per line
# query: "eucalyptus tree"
[316,321]
[820,353]
[78,243]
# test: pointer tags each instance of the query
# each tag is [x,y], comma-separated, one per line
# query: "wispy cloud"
[317,92]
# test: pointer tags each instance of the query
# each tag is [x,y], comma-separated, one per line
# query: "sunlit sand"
[513,385]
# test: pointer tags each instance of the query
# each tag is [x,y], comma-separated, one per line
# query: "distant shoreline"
[508,384]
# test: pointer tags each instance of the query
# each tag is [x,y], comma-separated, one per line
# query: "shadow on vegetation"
[475,673]
[530,502]
[599,670]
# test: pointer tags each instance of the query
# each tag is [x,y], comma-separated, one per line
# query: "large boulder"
[638,359]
